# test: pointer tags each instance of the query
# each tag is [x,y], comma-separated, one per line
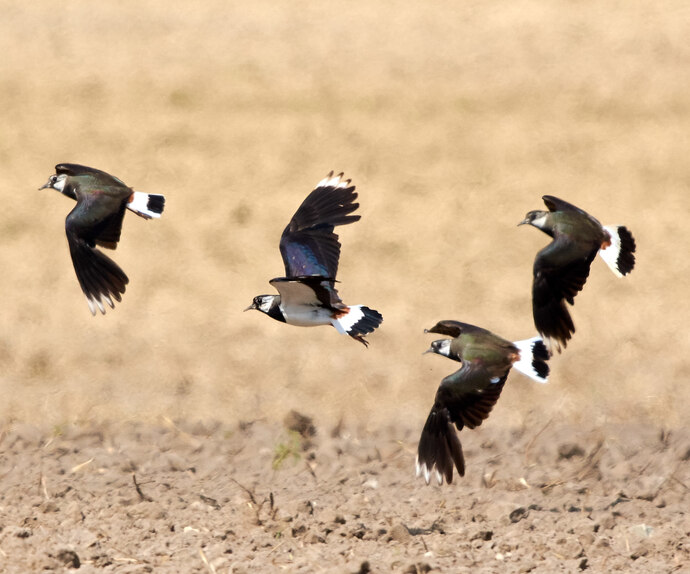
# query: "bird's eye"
[53,178]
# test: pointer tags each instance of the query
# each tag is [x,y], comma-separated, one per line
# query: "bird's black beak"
[45,186]
[252,306]
[523,222]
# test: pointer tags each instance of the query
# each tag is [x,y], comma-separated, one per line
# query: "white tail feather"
[525,363]
[140,205]
[611,253]
[345,323]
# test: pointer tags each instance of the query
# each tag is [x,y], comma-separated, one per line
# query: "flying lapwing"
[562,267]
[96,220]
[465,398]
[311,250]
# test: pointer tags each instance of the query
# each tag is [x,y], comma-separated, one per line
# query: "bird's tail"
[533,357]
[357,322]
[439,448]
[620,255]
[146,205]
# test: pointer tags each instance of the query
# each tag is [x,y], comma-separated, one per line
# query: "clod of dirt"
[69,558]
[419,568]
[400,533]
[485,535]
[298,529]
[518,514]
[359,532]
[314,538]
[364,568]
[569,450]
[101,560]
[49,506]
[306,507]
[300,423]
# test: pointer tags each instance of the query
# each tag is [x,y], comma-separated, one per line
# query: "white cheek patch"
[444,348]
[60,182]
[265,304]
[539,222]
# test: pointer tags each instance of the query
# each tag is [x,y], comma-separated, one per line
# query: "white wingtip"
[426,473]
[334,181]
[423,470]
[533,356]
[96,303]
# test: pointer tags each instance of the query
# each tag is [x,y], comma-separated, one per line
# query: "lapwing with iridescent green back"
[466,397]
[562,267]
[96,221]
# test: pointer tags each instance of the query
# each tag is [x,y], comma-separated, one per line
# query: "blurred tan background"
[452,119]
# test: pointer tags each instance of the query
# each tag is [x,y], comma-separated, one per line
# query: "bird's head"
[262,303]
[440,347]
[56,182]
[536,218]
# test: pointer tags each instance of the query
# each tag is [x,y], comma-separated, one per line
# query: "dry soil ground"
[139,498]
[452,119]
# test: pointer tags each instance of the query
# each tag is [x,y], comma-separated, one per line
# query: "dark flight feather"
[308,244]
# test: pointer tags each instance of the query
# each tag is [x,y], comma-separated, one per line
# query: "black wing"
[469,394]
[439,447]
[556,204]
[454,329]
[308,244]
[557,278]
[100,278]
[97,219]
[448,327]
[465,399]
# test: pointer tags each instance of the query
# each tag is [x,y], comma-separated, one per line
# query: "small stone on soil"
[69,558]
[300,423]
[569,450]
